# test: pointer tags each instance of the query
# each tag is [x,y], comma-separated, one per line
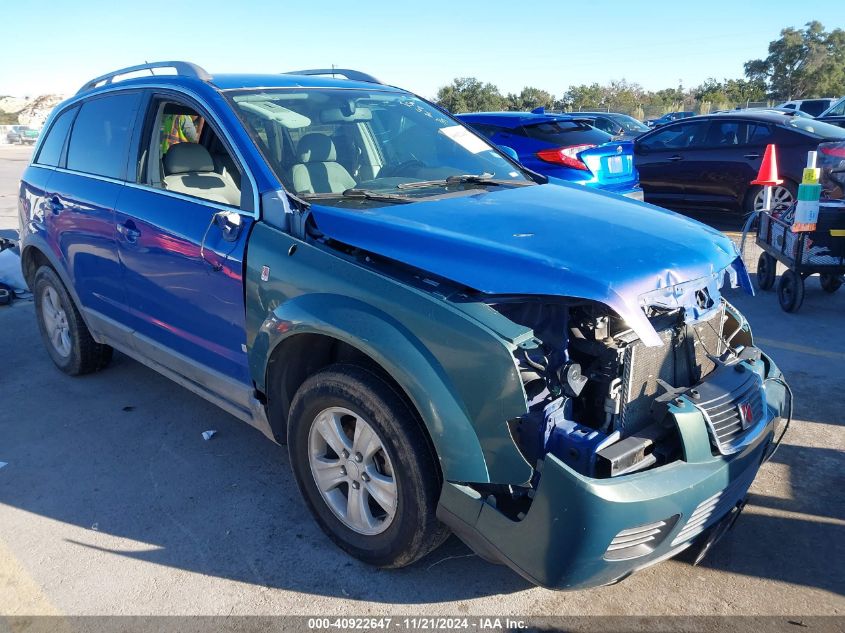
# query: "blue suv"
[562,147]
[444,340]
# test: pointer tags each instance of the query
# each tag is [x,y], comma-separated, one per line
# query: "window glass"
[759,134]
[838,109]
[726,133]
[566,133]
[815,107]
[349,147]
[51,149]
[184,155]
[99,142]
[677,136]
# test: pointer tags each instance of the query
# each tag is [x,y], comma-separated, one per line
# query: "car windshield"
[629,123]
[817,128]
[345,146]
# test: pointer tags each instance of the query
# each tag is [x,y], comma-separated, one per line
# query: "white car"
[813,107]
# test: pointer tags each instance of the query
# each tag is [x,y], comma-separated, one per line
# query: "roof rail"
[354,75]
[182,68]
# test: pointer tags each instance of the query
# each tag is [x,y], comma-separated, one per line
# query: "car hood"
[552,240]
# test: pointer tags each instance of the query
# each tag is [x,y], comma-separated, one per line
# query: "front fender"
[398,352]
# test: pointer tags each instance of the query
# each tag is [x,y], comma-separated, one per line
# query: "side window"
[99,141]
[679,136]
[725,133]
[51,149]
[759,134]
[838,109]
[788,106]
[184,154]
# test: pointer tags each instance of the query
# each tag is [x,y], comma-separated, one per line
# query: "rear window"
[817,128]
[51,149]
[563,133]
[99,142]
[815,107]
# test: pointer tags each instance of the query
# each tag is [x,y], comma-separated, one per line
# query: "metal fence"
[654,111]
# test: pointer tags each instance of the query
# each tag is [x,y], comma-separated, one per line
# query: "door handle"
[129,231]
[56,205]
[752,156]
[676,158]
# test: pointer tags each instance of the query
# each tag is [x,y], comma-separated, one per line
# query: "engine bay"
[597,395]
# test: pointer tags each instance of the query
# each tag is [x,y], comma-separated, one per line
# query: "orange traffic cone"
[768,174]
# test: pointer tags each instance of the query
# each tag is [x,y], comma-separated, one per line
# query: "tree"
[529,99]
[468,94]
[802,63]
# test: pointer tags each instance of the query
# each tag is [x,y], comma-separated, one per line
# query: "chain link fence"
[654,111]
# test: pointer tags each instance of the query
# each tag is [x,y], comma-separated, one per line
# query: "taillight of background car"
[566,156]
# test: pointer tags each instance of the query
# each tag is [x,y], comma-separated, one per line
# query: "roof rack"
[354,75]
[182,68]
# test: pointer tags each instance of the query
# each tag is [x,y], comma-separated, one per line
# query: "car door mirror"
[510,151]
[230,224]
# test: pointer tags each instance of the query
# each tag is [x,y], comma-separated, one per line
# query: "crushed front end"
[639,450]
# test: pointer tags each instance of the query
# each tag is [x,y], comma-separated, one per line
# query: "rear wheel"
[830,283]
[790,291]
[783,196]
[63,331]
[364,466]
[766,267]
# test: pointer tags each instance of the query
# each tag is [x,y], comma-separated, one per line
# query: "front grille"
[731,414]
[639,541]
[714,508]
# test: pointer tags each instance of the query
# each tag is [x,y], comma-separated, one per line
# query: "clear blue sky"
[56,46]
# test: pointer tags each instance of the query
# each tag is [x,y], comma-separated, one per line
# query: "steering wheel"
[397,170]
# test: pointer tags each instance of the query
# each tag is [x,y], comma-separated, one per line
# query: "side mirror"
[510,151]
[229,223]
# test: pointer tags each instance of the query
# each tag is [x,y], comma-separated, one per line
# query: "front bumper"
[563,540]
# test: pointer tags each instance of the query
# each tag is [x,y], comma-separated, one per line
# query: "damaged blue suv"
[444,340]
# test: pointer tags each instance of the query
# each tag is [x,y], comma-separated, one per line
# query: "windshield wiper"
[366,194]
[483,179]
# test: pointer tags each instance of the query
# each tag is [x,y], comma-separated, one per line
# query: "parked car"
[22,135]
[562,147]
[425,323]
[620,126]
[813,107]
[668,118]
[831,162]
[711,160]
[835,114]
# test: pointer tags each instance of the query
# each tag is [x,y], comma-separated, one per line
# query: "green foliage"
[802,63]
[468,94]
[529,99]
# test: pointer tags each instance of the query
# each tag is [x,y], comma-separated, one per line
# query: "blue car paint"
[544,240]
[526,150]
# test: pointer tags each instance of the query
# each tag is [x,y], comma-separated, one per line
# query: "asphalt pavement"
[111,502]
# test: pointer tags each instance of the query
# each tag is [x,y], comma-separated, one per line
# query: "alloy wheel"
[352,470]
[782,199]
[55,321]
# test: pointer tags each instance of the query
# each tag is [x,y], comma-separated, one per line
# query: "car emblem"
[619,150]
[746,414]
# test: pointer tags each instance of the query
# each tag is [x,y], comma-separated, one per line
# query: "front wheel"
[766,267]
[790,291]
[364,466]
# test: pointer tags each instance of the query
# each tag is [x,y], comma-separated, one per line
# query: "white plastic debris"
[3,464]
[10,270]
[207,435]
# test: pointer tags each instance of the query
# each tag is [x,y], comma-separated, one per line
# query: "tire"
[63,331]
[337,400]
[786,193]
[830,283]
[766,267]
[790,291]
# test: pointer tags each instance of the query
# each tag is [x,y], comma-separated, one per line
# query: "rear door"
[662,159]
[81,198]
[182,271]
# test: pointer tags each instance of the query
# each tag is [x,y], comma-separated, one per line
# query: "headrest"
[187,157]
[316,148]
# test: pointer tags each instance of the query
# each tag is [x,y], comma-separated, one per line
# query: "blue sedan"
[562,147]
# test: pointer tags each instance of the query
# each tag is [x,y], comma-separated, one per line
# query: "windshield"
[358,146]
[629,123]
[818,128]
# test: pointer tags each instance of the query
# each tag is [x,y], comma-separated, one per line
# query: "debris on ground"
[11,277]
[207,435]
[3,464]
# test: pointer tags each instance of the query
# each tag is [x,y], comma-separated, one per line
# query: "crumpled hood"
[546,240]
